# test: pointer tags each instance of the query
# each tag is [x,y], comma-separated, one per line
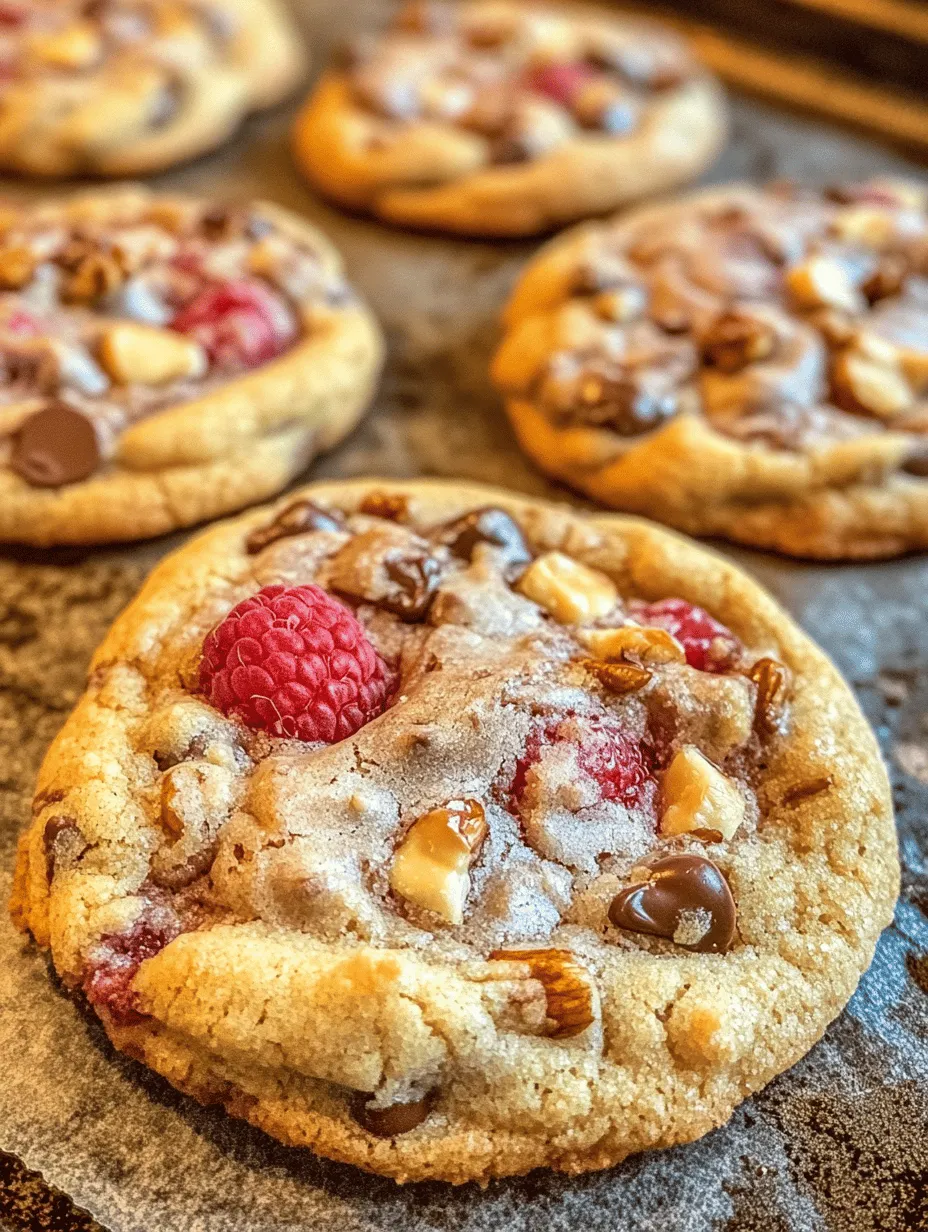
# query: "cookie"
[126,87]
[743,362]
[453,834]
[492,119]
[167,360]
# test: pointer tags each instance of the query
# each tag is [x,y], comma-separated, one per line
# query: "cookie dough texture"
[434,174]
[276,1024]
[129,91]
[842,496]
[237,443]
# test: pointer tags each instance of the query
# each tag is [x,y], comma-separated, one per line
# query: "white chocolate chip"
[822,282]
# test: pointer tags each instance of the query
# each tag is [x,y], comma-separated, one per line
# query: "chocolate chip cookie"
[452,834]
[491,118]
[165,361]
[745,362]
[125,87]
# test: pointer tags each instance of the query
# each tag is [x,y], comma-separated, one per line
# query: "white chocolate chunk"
[141,354]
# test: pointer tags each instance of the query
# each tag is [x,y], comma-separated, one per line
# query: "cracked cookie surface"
[126,87]
[606,847]
[491,119]
[167,360]
[741,362]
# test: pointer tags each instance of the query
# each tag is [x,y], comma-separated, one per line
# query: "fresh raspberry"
[294,662]
[19,322]
[608,753]
[560,82]
[708,645]
[238,323]
[110,971]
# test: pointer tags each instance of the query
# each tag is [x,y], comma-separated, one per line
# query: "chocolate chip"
[487,525]
[55,446]
[679,887]
[917,462]
[217,222]
[63,842]
[393,1121]
[300,518]
[417,578]
[623,403]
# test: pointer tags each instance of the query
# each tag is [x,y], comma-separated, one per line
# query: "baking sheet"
[839,1144]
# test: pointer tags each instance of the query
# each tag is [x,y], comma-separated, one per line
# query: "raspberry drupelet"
[294,662]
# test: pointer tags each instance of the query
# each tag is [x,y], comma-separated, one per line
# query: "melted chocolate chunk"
[392,1121]
[300,518]
[64,843]
[917,462]
[417,578]
[623,403]
[680,887]
[55,446]
[392,506]
[488,525]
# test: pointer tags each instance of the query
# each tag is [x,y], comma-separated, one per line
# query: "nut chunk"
[131,352]
[431,867]
[571,592]
[567,986]
[697,797]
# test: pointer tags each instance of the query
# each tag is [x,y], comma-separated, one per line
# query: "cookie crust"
[214,66]
[842,496]
[237,442]
[434,175]
[684,1037]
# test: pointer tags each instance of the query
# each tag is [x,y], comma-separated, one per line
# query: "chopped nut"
[864,225]
[887,279]
[97,275]
[431,867]
[570,591]
[650,645]
[393,506]
[149,356]
[17,265]
[736,339]
[822,282]
[567,985]
[772,680]
[697,797]
[618,677]
[621,304]
[870,386]
[76,46]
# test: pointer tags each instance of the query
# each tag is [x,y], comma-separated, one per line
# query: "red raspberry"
[294,662]
[19,322]
[608,753]
[560,82]
[240,323]
[110,971]
[708,645]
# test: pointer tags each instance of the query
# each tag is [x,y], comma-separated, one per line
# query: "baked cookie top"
[573,862]
[120,311]
[119,87]
[481,96]
[778,336]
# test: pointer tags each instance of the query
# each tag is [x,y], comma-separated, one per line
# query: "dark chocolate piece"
[677,886]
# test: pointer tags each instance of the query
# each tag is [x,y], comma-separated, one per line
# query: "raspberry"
[109,974]
[709,645]
[294,662]
[618,762]
[560,82]
[19,322]
[239,323]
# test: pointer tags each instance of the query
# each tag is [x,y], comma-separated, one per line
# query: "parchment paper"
[839,1144]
